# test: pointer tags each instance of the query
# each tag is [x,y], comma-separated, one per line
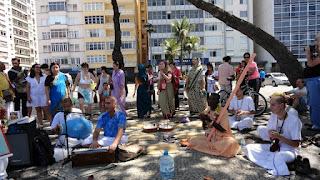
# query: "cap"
[166,152]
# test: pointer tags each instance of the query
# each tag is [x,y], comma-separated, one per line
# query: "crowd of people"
[49,91]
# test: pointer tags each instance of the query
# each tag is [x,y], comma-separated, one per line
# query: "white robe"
[245,104]
[275,162]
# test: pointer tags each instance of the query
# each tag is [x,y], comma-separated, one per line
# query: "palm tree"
[171,48]
[287,61]
[180,31]
[192,43]
[116,53]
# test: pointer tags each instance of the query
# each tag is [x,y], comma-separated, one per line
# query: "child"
[105,93]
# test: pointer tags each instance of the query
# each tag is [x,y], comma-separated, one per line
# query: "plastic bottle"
[166,166]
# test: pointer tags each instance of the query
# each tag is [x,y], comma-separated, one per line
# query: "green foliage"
[171,48]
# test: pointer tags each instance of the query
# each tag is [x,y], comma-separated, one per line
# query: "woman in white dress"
[36,92]
[104,77]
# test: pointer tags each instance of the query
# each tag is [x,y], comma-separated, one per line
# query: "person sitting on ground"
[284,130]
[71,114]
[113,122]
[298,97]
[222,142]
[242,108]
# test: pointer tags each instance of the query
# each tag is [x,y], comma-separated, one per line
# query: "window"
[46,48]
[243,2]
[96,6]
[95,33]
[213,53]
[74,47]
[243,14]
[127,45]
[156,2]
[72,7]
[58,33]
[229,2]
[243,40]
[91,46]
[75,60]
[94,19]
[124,20]
[157,42]
[125,33]
[216,39]
[230,43]
[59,47]
[57,20]
[157,15]
[96,59]
[57,6]
[73,34]
[45,35]
[43,8]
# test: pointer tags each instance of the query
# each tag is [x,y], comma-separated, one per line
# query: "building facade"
[216,38]
[18,34]
[76,31]
[293,22]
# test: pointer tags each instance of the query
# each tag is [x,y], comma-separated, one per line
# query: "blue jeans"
[313,87]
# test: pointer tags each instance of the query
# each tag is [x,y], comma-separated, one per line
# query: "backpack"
[43,150]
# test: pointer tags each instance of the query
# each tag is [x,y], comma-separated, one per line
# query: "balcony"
[122,12]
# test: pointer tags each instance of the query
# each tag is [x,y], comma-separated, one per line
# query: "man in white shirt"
[298,96]
[59,121]
[284,130]
[225,70]
[242,108]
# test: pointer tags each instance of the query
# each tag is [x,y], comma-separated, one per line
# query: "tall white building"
[22,31]
[61,32]
[4,32]
[217,39]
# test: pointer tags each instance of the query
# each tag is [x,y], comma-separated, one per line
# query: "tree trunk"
[181,52]
[287,61]
[117,54]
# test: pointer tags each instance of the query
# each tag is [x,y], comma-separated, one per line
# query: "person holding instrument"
[312,79]
[284,131]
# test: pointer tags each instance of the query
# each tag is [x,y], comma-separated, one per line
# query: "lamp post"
[150,29]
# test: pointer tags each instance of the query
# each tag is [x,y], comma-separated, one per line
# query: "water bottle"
[243,145]
[166,166]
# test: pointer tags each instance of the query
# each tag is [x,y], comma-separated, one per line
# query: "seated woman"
[222,143]
[242,108]
[78,127]
[284,130]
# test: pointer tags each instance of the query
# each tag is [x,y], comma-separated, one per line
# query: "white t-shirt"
[302,91]
[59,117]
[245,104]
[291,127]
[211,82]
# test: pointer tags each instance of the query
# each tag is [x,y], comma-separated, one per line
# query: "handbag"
[7,95]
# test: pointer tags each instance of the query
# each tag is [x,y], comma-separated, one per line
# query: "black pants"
[255,84]
[153,95]
[176,99]
[17,99]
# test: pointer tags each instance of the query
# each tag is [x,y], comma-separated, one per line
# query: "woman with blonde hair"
[165,90]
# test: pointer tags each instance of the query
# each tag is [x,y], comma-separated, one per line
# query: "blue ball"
[78,127]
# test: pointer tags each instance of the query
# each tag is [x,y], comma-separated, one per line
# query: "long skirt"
[196,100]
[143,101]
[166,100]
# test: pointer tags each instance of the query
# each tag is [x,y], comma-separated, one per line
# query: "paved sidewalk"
[188,164]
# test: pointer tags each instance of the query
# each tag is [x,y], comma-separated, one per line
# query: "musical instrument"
[87,156]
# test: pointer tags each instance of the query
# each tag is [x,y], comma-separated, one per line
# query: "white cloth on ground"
[245,104]
[275,162]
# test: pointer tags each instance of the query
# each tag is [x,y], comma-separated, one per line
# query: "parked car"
[276,79]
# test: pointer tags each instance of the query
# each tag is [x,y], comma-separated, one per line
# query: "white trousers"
[274,162]
[102,140]
[242,124]
[3,167]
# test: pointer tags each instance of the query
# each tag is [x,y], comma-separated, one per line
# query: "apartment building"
[216,38]
[76,31]
[18,31]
